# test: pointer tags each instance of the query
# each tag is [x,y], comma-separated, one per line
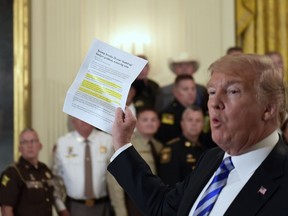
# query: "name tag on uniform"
[34,184]
[70,153]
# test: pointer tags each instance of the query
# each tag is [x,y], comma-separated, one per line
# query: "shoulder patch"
[5,180]
[167,118]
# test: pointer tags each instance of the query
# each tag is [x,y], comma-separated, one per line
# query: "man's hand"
[123,127]
[64,213]
[7,210]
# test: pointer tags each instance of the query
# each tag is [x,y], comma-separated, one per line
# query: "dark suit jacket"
[155,198]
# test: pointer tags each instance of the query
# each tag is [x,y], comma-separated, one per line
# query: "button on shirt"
[69,162]
[245,165]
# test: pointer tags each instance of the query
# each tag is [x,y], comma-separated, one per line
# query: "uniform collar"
[28,165]
[80,138]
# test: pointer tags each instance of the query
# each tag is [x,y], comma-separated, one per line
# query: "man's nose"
[216,102]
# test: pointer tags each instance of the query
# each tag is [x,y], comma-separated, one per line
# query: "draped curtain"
[261,26]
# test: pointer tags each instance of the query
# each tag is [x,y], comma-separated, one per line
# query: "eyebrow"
[229,83]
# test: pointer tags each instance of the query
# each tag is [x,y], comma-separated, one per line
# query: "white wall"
[63,30]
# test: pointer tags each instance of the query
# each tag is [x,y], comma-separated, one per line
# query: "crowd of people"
[168,141]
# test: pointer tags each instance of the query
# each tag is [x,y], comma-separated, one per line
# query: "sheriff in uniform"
[69,167]
[170,122]
[27,187]
[181,154]
[185,95]
[146,89]
[179,157]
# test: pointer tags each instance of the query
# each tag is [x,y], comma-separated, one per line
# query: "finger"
[118,115]
[128,113]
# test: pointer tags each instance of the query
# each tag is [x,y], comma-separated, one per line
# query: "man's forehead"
[228,79]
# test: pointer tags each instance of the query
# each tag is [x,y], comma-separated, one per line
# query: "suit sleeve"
[151,196]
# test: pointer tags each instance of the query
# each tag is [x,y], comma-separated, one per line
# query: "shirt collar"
[246,164]
[81,139]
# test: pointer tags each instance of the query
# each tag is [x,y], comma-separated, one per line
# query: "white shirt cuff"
[60,206]
[123,148]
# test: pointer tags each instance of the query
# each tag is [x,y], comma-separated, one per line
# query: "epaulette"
[174,140]
[14,165]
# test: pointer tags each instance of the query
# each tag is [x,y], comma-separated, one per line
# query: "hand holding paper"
[123,127]
[102,84]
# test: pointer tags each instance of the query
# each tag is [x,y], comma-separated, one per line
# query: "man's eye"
[233,91]
[211,92]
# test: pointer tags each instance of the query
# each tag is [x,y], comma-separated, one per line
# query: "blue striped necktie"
[210,196]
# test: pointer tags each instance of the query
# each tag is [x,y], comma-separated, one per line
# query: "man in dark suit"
[247,103]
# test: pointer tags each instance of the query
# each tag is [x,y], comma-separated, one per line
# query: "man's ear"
[269,112]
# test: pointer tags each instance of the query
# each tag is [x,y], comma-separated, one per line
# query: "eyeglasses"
[26,142]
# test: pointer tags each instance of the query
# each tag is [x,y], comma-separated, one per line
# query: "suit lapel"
[261,186]
[199,178]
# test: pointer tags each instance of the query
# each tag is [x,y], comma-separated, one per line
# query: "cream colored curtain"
[62,31]
[262,26]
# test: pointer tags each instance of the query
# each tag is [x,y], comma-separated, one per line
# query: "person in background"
[284,130]
[80,161]
[148,147]
[182,64]
[184,92]
[27,187]
[146,89]
[181,154]
[278,61]
[247,104]
[234,50]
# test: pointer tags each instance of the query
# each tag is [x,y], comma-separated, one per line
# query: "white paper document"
[102,84]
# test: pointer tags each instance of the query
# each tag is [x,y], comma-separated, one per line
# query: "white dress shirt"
[69,162]
[245,165]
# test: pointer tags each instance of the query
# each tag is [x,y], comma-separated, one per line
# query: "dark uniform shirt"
[165,97]
[170,119]
[178,158]
[146,92]
[29,190]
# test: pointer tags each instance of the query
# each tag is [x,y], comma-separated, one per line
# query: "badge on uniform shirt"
[165,156]
[5,180]
[188,144]
[103,149]
[167,118]
[190,158]
[32,177]
[70,153]
[138,103]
